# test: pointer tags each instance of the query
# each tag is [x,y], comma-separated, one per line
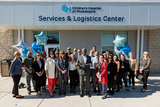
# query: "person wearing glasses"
[51,70]
[63,72]
[133,69]
[101,69]
[123,71]
[16,72]
[68,54]
[79,52]
[38,68]
[75,52]
[145,63]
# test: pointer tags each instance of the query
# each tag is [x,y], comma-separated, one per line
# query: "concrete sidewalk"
[133,98]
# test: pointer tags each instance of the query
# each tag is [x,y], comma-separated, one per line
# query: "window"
[109,36]
[107,41]
[53,36]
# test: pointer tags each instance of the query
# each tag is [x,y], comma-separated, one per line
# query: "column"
[142,41]
[138,40]
[19,35]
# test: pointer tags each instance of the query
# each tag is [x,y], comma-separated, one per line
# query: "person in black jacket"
[38,68]
[62,65]
[112,74]
[124,69]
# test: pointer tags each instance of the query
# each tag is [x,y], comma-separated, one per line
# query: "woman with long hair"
[112,74]
[133,69]
[145,63]
[63,72]
[38,68]
[51,70]
[44,57]
[123,71]
[72,73]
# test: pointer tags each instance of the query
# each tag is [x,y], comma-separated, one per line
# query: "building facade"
[80,24]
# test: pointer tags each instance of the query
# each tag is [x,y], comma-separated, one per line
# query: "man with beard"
[27,64]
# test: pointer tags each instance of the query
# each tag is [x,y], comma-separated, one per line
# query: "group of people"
[105,69]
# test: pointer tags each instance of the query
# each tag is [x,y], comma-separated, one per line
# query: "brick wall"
[6,41]
[154,50]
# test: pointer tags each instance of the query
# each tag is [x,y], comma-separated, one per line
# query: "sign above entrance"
[79,10]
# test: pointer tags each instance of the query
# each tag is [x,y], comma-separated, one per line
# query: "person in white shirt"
[51,69]
[93,69]
[72,73]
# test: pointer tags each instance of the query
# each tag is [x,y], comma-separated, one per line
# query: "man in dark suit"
[84,63]
[68,54]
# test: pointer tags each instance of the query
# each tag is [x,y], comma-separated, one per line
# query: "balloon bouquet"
[121,48]
[38,46]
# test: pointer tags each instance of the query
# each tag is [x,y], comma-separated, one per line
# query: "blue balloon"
[124,50]
[119,41]
[37,48]
[41,39]
[24,52]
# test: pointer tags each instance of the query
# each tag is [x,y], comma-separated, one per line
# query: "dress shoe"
[143,90]
[133,87]
[74,91]
[88,94]
[127,89]
[95,91]
[29,92]
[19,96]
[112,93]
[60,94]
[109,91]
[104,97]
[81,95]
[64,93]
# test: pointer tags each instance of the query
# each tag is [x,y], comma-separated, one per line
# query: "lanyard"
[99,66]
[143,62]
[30,61]
[39,63]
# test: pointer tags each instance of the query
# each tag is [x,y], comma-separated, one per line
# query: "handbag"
[139,76]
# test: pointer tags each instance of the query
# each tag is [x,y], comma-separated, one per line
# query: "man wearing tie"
[84,63]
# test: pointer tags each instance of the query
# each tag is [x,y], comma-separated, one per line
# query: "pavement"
[133,98]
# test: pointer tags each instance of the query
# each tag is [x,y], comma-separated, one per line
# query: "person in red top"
[101,69]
